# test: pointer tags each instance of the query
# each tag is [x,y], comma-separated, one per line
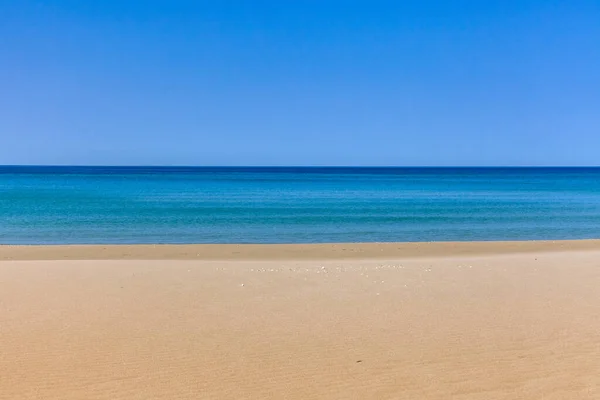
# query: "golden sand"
[395,321]
[246,252]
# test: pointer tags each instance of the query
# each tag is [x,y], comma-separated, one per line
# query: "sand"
[313,252]
[396,321]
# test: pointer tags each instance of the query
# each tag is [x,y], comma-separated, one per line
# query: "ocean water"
[59,205]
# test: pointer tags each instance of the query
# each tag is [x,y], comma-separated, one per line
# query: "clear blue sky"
[511,82]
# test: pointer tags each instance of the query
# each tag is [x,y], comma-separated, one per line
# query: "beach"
[490,320]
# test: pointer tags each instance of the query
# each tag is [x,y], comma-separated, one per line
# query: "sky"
[347,83]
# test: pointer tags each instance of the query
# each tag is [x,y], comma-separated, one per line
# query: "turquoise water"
[56,205]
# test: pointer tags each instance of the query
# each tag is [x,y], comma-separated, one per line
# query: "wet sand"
[263,252]
[374,321]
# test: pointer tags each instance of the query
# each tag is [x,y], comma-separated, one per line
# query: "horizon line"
[297,166]
[288,166]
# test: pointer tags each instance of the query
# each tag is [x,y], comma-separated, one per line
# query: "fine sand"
[426,321]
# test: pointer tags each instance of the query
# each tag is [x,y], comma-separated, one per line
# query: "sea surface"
[60,205]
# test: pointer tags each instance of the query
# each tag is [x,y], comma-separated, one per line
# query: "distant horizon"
[293,166]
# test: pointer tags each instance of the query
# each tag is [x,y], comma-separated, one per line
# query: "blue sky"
[300,82]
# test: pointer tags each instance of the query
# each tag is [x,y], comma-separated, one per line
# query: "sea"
[126,205]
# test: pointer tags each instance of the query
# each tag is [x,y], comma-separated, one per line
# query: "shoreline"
[321,251]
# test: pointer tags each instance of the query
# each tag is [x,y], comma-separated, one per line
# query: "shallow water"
[60,205]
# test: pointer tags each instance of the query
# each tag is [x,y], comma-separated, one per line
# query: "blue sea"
[60,205]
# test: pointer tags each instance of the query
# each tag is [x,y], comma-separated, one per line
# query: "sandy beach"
[495,320]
